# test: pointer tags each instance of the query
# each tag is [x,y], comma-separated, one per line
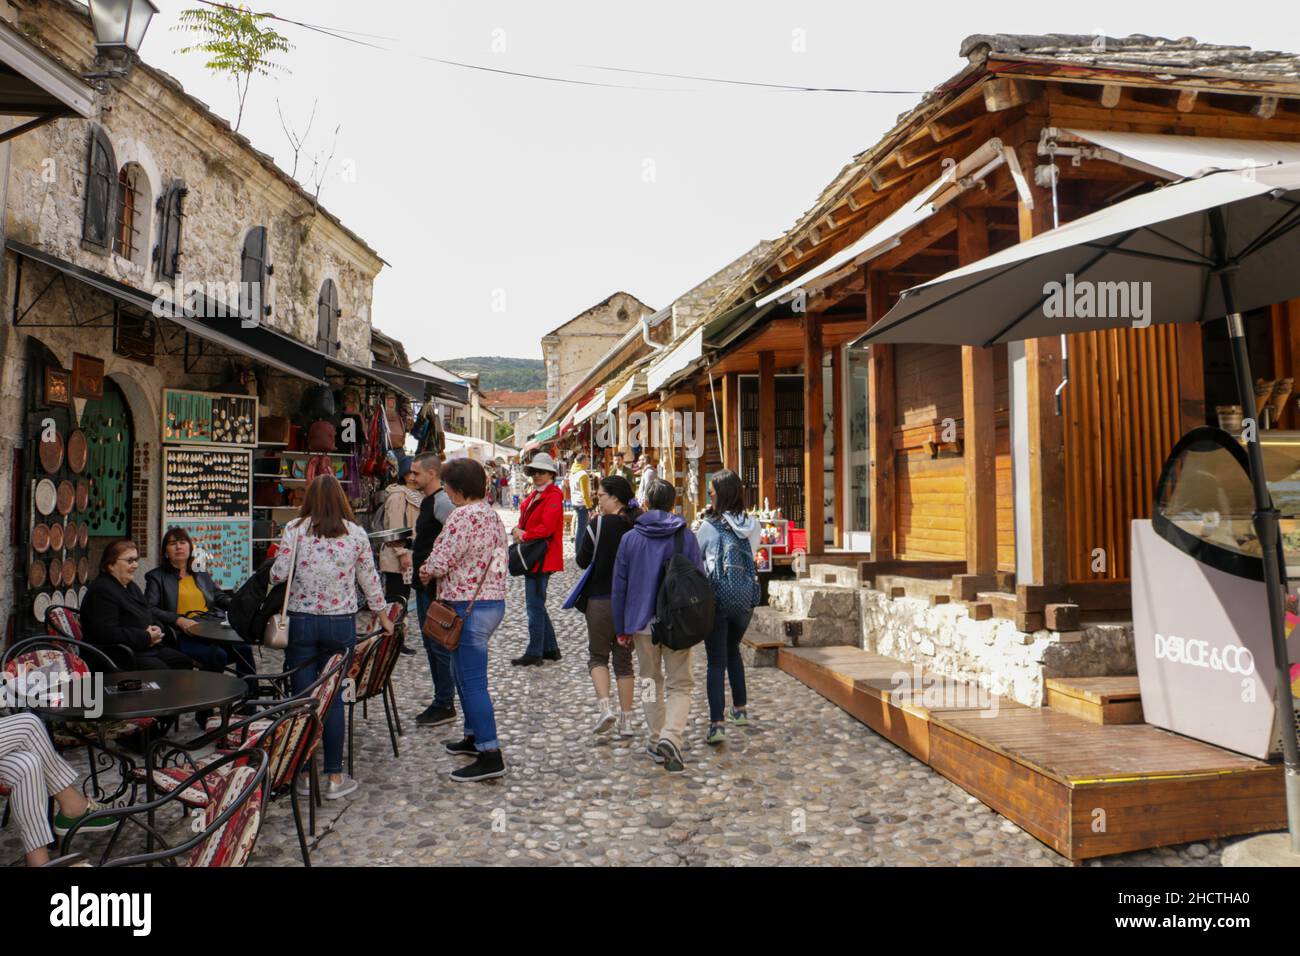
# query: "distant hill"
[496,372]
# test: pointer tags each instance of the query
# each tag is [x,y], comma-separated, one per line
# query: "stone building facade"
[571,350]
[65,296]
[693,307]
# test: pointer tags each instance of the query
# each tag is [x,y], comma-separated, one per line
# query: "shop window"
[327,318]
[254,270]
[171,213]
[101,189]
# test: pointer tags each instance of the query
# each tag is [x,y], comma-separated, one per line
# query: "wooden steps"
[1099,700]
[1084,788]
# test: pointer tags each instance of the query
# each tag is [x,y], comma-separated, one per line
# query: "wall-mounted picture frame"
[87,376]
[58,386]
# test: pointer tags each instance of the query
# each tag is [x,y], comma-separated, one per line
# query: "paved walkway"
[805,784]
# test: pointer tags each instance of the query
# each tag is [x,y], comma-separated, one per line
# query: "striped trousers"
[33,772]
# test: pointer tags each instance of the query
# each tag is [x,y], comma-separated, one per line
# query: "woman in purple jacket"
[642,554]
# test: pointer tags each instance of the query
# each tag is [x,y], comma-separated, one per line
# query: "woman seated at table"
[176,593]
[114,612]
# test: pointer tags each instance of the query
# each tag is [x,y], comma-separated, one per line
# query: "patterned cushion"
[34,660]
[167,779]
[244,737]
[232,844]
[61,620]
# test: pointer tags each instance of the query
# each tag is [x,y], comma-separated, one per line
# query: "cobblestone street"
[804,784]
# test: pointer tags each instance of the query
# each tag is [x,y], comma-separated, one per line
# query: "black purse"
[527,556]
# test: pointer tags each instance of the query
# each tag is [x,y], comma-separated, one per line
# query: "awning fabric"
[635,385]
[678,360]
[546,434]
[40,86]
[597,404]
[872,243]
[261,343]
[1182,157]
[416,383]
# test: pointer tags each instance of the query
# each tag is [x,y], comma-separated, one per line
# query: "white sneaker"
[337,791]
[625,724]
[303,785]
[605,722]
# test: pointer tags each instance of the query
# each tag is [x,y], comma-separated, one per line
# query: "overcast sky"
[508,205]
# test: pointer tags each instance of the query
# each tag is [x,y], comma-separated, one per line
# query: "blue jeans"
[723,649]
[469,663]
[214,657]
[579,526]
[541,632]
[314,639]
[444,686]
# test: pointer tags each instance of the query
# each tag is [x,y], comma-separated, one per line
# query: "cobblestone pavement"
[804,784]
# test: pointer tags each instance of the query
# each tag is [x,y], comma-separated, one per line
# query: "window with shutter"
[171,212]
[327,318]
[253,272]
[101,189]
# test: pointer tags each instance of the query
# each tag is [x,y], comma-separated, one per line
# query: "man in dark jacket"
[642,554]
[434,511]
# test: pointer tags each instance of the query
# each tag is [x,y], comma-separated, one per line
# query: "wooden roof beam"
[1004,93]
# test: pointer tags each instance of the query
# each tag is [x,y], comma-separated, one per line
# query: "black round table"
[215,632]
[178,692]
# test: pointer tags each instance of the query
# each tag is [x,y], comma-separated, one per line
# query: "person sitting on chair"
[115,613]
[177,594]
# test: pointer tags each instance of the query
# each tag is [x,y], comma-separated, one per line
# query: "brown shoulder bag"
[441,622]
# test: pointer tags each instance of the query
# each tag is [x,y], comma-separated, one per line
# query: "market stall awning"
[418,385]
[635,385]
[566,423]
[597,404]
[200,317]
[1180,157]
[546,434]
[34,85]
[681,358]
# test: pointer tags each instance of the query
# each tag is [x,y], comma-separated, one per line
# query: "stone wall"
[573,349]
[946,641]
[692,308]
[152,123]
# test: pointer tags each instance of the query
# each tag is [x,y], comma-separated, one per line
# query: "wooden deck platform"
[1083,788]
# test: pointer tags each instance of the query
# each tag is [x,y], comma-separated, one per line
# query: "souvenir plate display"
[227,547]
[207,483]
[209,418]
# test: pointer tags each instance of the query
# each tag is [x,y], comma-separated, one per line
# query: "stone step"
[804,600]
[833,574]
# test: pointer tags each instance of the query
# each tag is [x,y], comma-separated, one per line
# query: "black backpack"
[255,603]
[685,603]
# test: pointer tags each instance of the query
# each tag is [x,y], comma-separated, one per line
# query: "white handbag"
[276,635]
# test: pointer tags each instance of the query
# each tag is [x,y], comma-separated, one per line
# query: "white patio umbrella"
[1200,249]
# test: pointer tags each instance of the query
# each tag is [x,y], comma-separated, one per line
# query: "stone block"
[757,656]
[830,632]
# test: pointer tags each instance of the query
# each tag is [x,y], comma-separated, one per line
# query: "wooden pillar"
[838,443]
[1047,504]
[881,399]
[766,433]
[731,422]
[979,438]
[814,440]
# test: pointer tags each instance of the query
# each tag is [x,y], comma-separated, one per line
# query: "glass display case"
[1204,502]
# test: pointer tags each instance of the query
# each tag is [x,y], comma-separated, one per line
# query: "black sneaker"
[434,715]
[672,756]
[551,655]
[527,660]
[461,748]
[404,649]
[489,764]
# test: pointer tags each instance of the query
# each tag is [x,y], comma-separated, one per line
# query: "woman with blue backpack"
[728,537]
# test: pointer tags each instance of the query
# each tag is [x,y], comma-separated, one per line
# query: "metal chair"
[371,675]
[231,821]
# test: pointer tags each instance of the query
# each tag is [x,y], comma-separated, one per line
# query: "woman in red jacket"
[541,516]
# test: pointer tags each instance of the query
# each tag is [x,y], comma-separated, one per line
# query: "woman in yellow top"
[176,594]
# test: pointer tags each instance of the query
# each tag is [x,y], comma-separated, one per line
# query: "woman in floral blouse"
[469,556]
[334,559]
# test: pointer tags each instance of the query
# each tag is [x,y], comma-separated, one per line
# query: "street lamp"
[120,26]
